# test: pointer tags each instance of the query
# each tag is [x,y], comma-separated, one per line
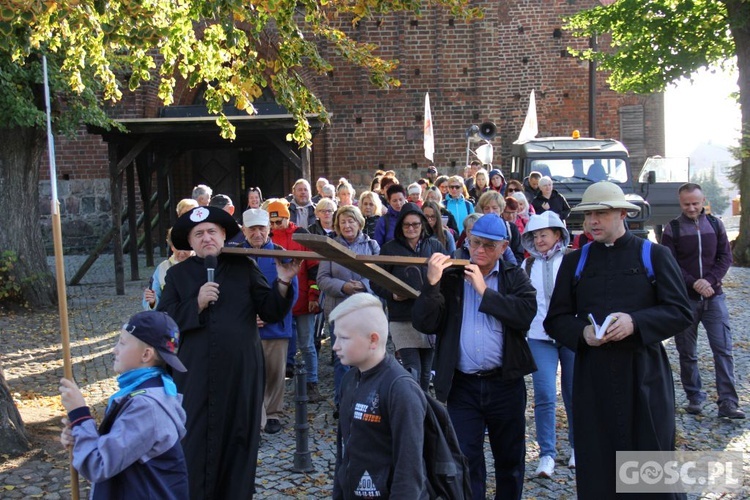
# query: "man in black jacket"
[480,315]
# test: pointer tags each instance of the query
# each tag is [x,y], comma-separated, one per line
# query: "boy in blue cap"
[136,451]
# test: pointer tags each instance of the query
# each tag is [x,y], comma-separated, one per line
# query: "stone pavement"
[31,359]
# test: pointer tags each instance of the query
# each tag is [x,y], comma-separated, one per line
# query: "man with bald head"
[381,429]
[223,391]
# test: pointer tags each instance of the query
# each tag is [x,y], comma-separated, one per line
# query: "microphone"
[210,262]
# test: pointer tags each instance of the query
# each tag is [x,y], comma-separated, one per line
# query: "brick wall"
[474,72]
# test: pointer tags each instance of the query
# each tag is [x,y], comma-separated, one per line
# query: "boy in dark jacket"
[381,429]
[136,452]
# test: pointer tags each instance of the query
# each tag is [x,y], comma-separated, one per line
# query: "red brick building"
[475,72]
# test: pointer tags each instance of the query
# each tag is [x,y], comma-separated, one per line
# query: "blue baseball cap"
[490,226]
[158,330]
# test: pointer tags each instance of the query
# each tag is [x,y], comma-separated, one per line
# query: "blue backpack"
[645,260]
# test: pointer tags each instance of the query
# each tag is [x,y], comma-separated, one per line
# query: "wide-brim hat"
[187,221]
[158,330]
[604,196]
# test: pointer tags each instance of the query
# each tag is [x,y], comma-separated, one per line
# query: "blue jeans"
[712,312]
[339,370]
[304,325]
[547,355]
[499,406]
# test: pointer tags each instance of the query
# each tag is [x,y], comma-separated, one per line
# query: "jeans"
[547,355]
[712,312]
[304,325]
[339,370]
[498,405]
[420,360]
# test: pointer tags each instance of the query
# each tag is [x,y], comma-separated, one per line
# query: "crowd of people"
[471,336]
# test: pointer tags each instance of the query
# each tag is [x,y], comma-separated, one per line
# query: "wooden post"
[115,188]
[132,223]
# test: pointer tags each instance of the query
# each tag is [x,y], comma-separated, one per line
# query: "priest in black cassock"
[623,392]
[223,392]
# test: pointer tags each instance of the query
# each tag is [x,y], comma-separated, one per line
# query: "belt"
[494,372]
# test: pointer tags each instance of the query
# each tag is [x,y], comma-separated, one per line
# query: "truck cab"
[574,164]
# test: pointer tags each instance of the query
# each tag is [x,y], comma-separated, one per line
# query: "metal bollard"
[302,455]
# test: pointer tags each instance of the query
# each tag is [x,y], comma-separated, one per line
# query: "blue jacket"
[385,227]
[460,207]
[267,265]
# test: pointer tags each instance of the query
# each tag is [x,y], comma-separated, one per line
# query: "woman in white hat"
[546,239]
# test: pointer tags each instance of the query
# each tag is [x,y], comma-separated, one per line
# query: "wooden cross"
[365,265]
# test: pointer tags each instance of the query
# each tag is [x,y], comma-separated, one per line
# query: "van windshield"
[584,170]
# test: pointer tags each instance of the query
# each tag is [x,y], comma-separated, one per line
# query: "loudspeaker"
[487,131]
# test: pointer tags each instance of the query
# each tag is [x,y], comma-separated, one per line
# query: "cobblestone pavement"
[30,351]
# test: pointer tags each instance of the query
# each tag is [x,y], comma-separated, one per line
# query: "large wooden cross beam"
[365,265]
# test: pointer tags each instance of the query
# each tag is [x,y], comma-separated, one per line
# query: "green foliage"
[656,42]
[10,288]
[713,191]
[233,48]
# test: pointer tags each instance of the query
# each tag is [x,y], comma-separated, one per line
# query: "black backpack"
[675,225]
[446,466]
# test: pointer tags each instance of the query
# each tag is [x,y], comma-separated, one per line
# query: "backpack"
[645,260]
[675,225]
[447,469]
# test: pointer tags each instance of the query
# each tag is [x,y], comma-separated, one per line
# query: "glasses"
[514,190]
[454,187]
[411,225]
[430,217]
[278,222]
[488,247]
[325,211]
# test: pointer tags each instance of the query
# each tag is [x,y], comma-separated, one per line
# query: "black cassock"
[223,387]
[623,392]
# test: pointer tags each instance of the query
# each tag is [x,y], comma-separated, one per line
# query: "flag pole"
[62,297]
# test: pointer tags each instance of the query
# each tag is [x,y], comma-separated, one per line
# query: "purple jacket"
[707,256]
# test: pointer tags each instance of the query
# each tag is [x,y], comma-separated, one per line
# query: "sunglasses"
[454,187]
[411,225]
[279,222]
[514,190]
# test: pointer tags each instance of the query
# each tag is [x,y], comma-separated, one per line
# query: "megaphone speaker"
[487,131]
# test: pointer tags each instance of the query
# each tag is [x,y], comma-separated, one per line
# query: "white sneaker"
[546,467]
[572,461]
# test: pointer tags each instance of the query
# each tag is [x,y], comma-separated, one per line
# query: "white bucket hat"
[545,220]
[604,196]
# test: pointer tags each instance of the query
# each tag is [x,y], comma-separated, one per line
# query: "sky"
[702,112]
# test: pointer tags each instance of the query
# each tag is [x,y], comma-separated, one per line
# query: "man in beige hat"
[623,392]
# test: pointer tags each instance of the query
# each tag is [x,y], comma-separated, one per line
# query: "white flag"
[429,133]
[530,125]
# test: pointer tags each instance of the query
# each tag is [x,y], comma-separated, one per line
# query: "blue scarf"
[131,379]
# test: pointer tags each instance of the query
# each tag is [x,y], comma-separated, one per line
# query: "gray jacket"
[332,276]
